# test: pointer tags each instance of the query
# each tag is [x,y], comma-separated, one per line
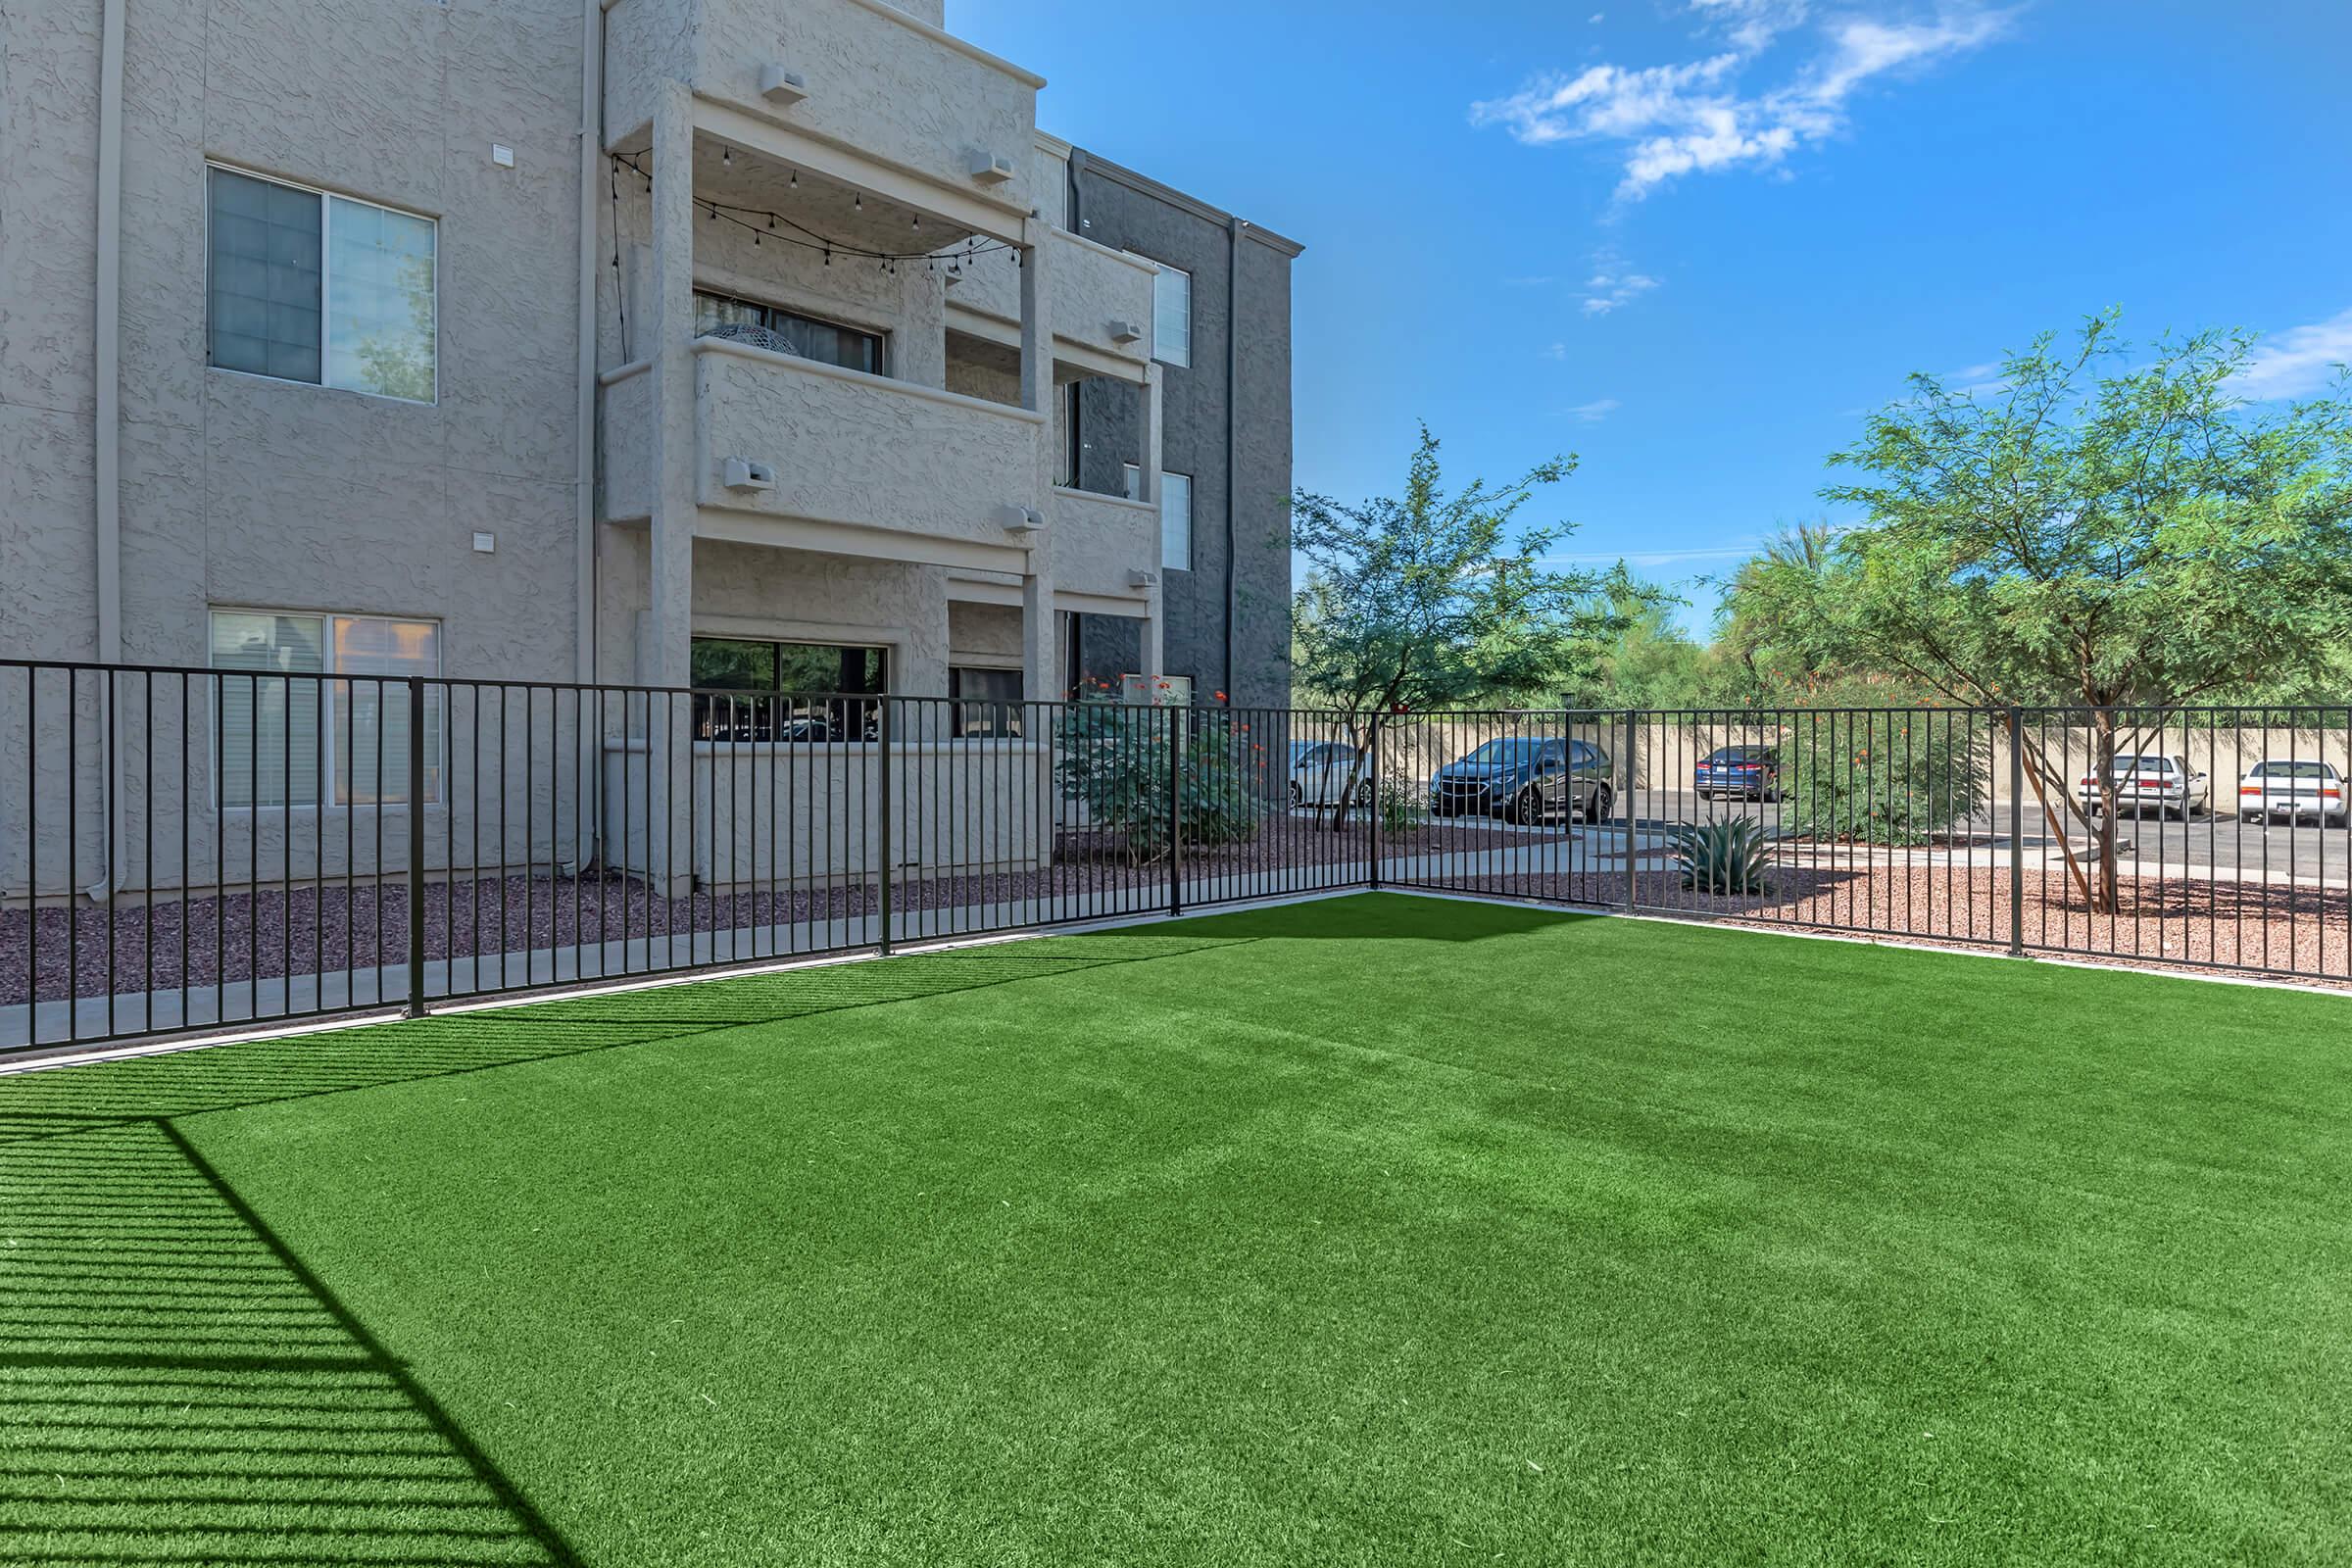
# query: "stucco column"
[1037,327]
[663,656]
[1147,449]
[1040,644]
[1152,633]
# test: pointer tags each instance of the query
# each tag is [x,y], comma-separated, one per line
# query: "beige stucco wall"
[240,490]
[801,817]
[790,595]
[849,449]
[987,635]
[876,84]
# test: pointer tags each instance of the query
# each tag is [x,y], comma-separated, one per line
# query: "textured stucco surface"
[789,595]
[874,83]
[1193,437]
[240,490]
[1090,286]
[854,451]
[1098,539]
[988,635]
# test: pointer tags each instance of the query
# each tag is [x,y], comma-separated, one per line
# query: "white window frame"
[1186,485]
[1163,343]
[326,222]
[436,791]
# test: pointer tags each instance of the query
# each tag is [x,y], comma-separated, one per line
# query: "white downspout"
[108,425]
[592,150]
[587,556]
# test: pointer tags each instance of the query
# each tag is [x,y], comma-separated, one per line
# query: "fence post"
[1372,763]
[1627,806]
[883,729]
[416,684]
[1175,809]
[2017,833]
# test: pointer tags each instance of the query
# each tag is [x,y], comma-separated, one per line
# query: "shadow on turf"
[175,1386]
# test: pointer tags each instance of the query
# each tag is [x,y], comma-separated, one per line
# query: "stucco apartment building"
[736,342]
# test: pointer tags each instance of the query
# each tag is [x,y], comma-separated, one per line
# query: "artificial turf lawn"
[1370,1231]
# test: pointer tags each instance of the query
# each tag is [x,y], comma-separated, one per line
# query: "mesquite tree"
[2110,529]
[1439,599]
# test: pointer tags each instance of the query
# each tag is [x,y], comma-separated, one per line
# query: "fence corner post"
[1175,809]
[2017,832]
[1372,763]
[416,1008]
[884,731]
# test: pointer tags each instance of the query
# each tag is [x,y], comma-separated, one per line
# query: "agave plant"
[1726,856]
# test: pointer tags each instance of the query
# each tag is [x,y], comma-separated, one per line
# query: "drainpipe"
[1233,439]
[587,556]
[108,425]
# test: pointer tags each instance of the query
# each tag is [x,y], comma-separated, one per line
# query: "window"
[1172,315]
[806,691]
[303,286]
[291,727]
[1176,521]
[771,326]
[1131,481]
[988,701]
[1073,441]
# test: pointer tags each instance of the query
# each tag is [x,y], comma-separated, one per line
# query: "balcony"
[857,463]
[1099,299]
[874,81]
[1099,540]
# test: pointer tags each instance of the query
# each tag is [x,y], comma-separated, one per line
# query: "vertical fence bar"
[1633,799]
[1175,809]
[2017,830]
[415,846]
[889,868]
[1372,828]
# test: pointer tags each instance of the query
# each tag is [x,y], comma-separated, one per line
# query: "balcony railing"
[1099,299]
[836,446]
[1099,542]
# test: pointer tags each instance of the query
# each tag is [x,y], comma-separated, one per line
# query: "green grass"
[1379,1231]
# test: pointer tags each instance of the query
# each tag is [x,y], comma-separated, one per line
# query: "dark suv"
[1526,779]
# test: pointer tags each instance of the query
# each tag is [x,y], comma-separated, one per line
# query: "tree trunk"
[1355,773]
[2103,770]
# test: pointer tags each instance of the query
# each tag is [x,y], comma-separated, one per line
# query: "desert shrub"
[1890,778]
[1114,758]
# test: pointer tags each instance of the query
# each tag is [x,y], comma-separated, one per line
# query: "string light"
[777,225]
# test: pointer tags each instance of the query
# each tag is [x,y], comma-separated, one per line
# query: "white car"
[2168,784]
[1320,770]
[2292,790]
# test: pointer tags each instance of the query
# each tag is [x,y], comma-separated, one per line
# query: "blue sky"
[1691,241]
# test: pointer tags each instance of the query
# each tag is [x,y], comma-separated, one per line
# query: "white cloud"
[1692,119]
[1752,24]
[2299,361]
[1594,412]
[1607,291]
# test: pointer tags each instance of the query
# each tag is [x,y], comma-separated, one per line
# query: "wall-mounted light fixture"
[781,86]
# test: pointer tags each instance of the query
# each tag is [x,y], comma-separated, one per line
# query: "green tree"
[1650,662]
[2111,530]
[1439,599]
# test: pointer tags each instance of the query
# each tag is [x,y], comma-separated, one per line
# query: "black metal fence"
[190,848]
